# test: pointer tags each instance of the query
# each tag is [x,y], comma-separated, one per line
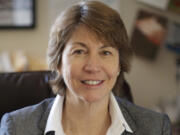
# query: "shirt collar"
[55,117]
[118,125]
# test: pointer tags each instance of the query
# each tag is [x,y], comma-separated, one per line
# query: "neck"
[80,117]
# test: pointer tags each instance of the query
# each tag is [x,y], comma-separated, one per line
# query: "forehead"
[84,34]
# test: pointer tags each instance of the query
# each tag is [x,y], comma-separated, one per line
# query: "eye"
[106,53]
[79,51]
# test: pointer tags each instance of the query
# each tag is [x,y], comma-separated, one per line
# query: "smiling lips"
[92,82]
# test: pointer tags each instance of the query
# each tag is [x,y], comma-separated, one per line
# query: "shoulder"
[144,118]
[29,117]
[135,109]
[30,112]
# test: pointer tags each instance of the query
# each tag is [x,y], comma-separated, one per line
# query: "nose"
[92,64]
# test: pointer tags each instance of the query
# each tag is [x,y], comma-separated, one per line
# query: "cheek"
[113,68]
[70,70]
[113,71]
[66,70]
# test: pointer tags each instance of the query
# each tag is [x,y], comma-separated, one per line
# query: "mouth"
[92,82]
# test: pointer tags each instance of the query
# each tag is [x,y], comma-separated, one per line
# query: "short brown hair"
[103,21]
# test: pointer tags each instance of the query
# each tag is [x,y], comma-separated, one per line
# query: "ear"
[59,70]
[118,73]
[119,70]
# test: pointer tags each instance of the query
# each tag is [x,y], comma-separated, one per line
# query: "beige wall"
[33,41]
[150,81]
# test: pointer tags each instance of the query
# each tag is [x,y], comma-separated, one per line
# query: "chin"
[91,100]
[94,98]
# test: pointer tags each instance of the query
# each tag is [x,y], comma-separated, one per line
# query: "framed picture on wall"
[161,4]
[174,5]
[17,14]
[149,33]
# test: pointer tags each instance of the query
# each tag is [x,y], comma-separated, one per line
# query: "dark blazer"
[32,120]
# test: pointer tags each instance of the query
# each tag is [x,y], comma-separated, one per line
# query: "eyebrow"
[80,43]
[84,45]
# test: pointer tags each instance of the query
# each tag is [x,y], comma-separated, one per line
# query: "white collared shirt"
[118,122]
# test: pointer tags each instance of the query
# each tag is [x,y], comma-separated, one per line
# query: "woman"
[89,51]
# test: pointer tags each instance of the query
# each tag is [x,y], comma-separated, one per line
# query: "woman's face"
[89,67]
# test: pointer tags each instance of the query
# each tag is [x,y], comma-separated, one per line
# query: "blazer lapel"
[128,117]
[50,133]
[127,133]
[44,117]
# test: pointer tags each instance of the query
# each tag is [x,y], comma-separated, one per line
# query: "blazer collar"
[127,133]
[50,133]
[45,115]
[128,117]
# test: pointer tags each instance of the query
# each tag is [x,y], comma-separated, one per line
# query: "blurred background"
[153,28]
